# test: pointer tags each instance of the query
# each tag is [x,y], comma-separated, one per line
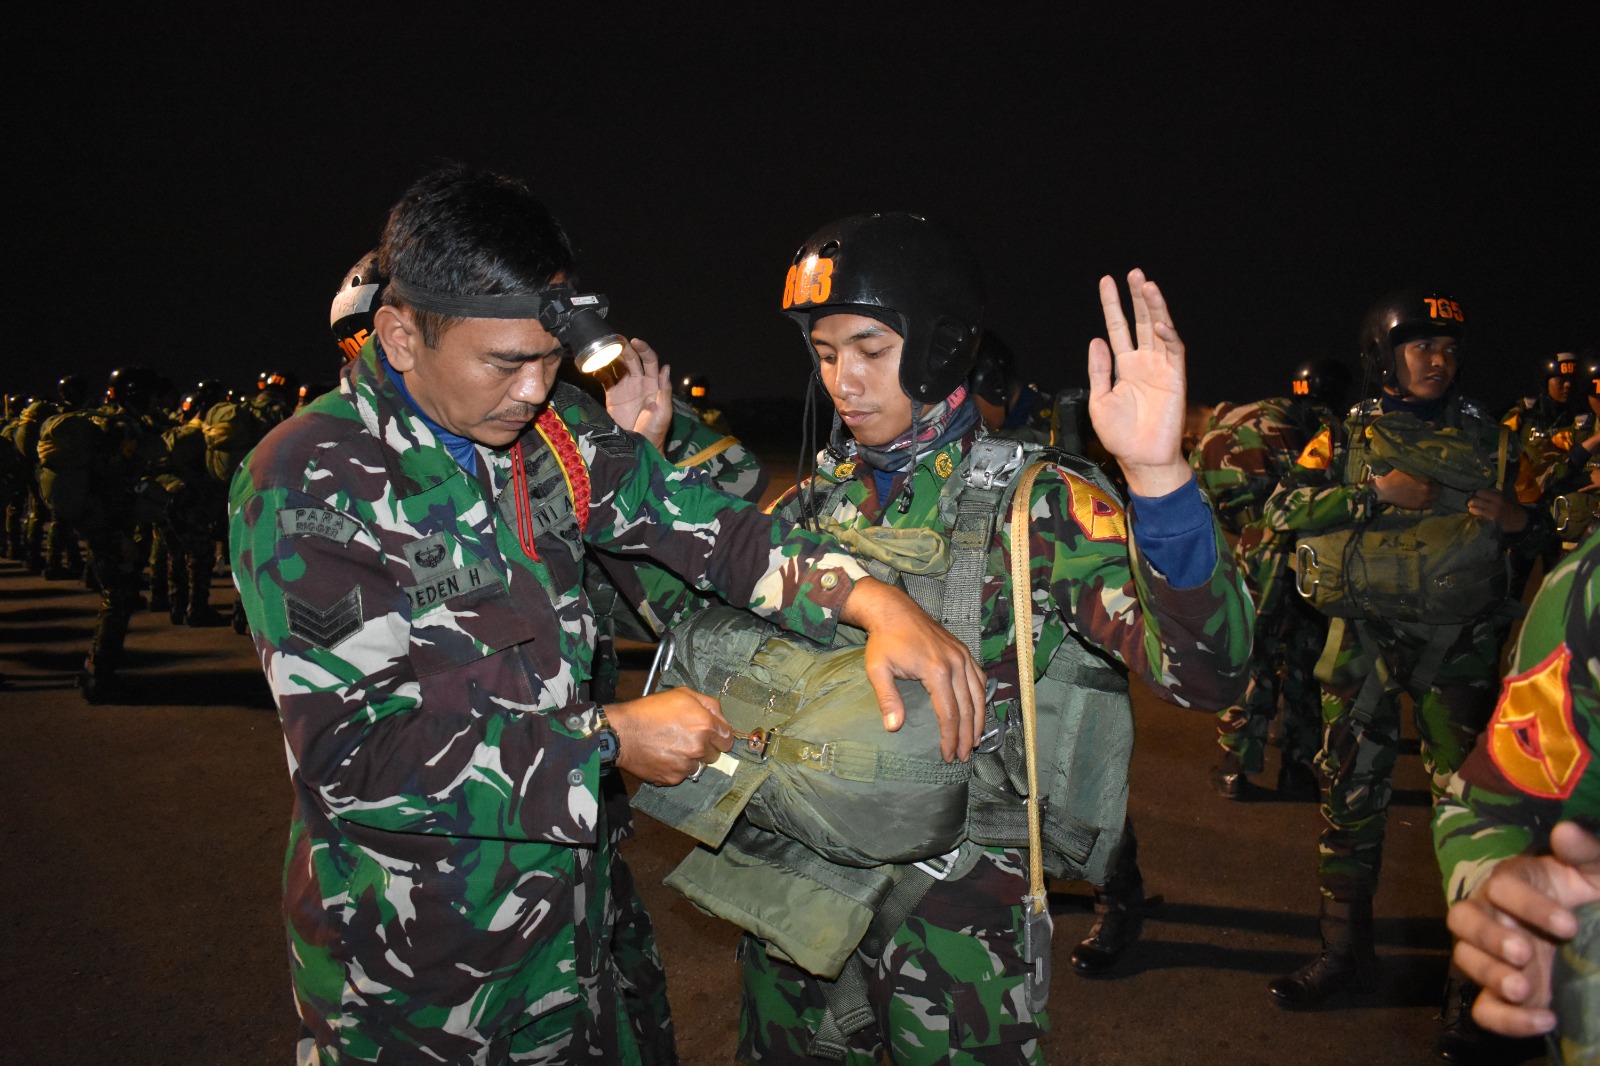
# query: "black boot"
[1347,963]
[1460,1040]
[1229,779]
[1298,781]
[1113,931]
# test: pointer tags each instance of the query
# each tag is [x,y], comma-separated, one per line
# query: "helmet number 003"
[1439,308]
[809,281]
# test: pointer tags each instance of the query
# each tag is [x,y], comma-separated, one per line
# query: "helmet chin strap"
[911,471]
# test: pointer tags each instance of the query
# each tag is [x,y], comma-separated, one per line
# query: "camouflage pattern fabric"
[1535,766]
[199,505]
[448,878]
[1325,491]
[950,985]
[1245,451]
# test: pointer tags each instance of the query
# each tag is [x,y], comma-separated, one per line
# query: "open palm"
[1136,388]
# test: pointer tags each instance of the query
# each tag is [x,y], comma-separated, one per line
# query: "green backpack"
[231,430]
[71,448]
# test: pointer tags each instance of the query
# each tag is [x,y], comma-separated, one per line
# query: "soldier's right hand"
[667,736]
[1401,489]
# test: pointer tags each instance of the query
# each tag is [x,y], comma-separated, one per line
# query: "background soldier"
[50,545]
[1244,453]
[1570,480]
[194,515]
[93,471]
[1535,417]
[14,493]
[1424,476]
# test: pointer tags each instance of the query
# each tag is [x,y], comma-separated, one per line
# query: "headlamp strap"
[453,305]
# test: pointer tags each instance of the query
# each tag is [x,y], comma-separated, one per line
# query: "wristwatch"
[610,743]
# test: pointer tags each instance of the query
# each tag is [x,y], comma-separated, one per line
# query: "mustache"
[520,413]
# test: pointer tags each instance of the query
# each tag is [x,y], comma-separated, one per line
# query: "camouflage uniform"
[1245,452]
[638,599]
[199,502]
[641,600]
[93,477]
[1359,750]
[42,526]
[1537,766]
[1569,471]
[448,886]
[949,985]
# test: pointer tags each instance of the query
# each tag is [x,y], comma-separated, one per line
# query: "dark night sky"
[193,188]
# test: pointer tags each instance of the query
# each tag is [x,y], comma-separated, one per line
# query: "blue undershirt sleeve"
[1176,534]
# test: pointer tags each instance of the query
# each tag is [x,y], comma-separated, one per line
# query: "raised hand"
[1137,391]
[639,393]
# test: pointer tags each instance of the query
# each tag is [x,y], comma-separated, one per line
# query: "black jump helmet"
[918,271]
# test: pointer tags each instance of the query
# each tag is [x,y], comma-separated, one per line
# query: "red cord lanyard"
[573,470]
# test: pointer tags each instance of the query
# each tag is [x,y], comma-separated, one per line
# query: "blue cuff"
[1176,534]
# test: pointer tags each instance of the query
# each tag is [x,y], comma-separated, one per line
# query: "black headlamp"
[577,320]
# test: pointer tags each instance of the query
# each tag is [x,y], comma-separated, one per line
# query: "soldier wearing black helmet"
[1570,478]
[1013,408]
[891,307]
[95,469]
[1243,454]
[50,546]
[1411,526]
[14,493]
[1535,417]
[195,515]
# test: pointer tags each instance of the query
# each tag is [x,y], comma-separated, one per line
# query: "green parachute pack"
[71,446]
[231,430]
[821,832]
[1441,567]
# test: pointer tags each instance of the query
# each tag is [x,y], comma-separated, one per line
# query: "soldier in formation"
[1421,478]
[1243,455]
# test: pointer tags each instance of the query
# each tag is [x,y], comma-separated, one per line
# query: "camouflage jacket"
[1568,466]
[648,599]
[1089,583]
[428,643]
[1536,762]
[1247,450]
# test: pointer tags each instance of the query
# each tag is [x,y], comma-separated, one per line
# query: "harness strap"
[848,1011]
[711,451]
[1037,924]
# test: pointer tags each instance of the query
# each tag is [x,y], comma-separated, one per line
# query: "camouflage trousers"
[1282,667]
[948,989]
[115,566]
[641,975]
[1360,750]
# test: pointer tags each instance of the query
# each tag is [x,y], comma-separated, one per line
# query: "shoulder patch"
[326,628]
[1097,512]
[1532,738]
[317,522]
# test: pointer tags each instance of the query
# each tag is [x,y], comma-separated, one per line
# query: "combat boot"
[1229,779]
[1298,781]
[1117,927]
[205,617]
[1347,963]
[1460,1040]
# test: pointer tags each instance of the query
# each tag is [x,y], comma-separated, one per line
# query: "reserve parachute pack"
[71,447]
[232,428]
[813,830]
[1441,567]
[1575,514]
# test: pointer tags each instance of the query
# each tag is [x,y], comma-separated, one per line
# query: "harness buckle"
[939,866]
[993,462]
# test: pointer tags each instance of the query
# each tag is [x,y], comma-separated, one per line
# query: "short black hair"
[470,232]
